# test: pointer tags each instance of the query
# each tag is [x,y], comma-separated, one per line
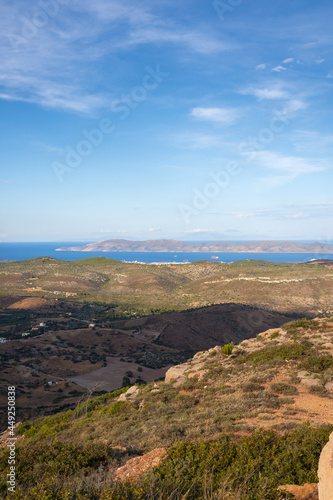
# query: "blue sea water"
[23,251]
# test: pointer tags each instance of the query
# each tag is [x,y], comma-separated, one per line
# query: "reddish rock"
[137,466]
[305,492]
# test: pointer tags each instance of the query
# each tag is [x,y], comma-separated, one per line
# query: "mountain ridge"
[169,245]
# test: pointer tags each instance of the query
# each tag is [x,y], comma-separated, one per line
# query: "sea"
[24,251]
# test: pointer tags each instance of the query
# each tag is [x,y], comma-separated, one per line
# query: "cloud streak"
[224,116]
[195,140]
[271,93]
[292,165]
[286,168]
[61,63]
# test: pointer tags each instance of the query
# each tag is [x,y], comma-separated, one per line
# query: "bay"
[24,251]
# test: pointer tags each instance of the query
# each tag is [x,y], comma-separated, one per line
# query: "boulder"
[131,393]
[176,372]
[137,466]
[305,492]
[325,471]
[311,382]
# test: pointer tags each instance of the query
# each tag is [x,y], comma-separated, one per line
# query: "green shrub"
[247,468]
[317,364]
[277,354]
[30,432]
[115,407]
[282,388]
[251,387]
[41,460]
[228,348]
[319,390]
[251,468]
[302,323]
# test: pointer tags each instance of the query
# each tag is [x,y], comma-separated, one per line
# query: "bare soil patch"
[110,377]
[29,303]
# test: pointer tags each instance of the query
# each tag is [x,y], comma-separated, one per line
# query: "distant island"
[120,245]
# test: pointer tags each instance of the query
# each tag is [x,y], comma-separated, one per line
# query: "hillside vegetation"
[143,288]
[237,422]
[46,365]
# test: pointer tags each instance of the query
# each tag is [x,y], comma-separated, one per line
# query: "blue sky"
[189,120]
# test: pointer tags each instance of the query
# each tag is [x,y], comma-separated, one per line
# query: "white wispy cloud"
[315,136]
[242,215]
[287,211]
[198,231]
[299,215]
[286,168]
[269,92]
[154,229]
[113,10]
[194,140]
[288,60]
[224,116]
[279,69]
[112,231]
[261,66]
[293,105]
[313,140]
[52,65]
[294,98]
[291,165]
[44,65]
[202,43]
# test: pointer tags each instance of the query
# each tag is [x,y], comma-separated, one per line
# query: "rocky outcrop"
[305,492]
[325,471]
[177,373]
[131,393]
[193,368]
[137,466]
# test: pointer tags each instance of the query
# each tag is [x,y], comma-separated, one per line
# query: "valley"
[73,329]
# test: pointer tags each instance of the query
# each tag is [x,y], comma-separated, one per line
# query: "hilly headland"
[121,245]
